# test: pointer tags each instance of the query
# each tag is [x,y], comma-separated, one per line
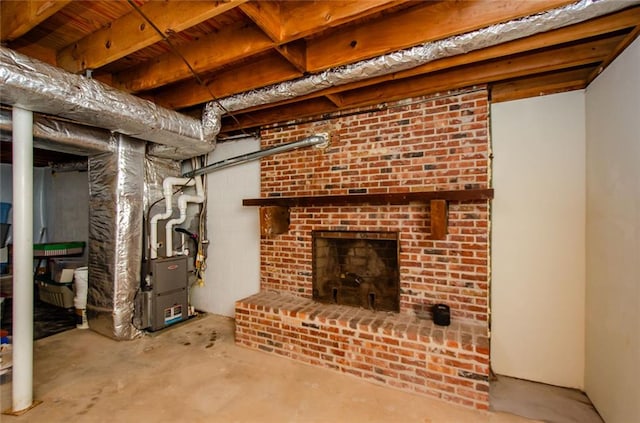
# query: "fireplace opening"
[358,269]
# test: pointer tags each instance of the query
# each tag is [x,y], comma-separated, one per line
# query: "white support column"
[22,259]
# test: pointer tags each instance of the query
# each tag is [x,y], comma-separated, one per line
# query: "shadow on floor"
[541,402]
[47,318]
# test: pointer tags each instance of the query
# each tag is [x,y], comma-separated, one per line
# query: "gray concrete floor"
[194,372]
[548,403]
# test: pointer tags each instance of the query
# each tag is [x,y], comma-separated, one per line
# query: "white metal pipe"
[167,189]
[182,206]
[22,259]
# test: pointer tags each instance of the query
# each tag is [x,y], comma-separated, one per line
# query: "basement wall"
[538,239]
[233,255]
[613,239]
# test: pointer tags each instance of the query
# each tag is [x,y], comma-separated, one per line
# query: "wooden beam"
[287,21]
[263,71]
[132,32]
[491,71]
[335,99]
[312,107]
[295,53]
[595,27]
[615,52]
[19,17]
[303,18]
[267,16]
[428,22]
[460,77]
[389,198]
[39,52]
[203,55]
[573,79]
[439,218]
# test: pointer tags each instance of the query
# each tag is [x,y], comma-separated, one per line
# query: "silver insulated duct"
[116,201]
[425,53]
[37,86]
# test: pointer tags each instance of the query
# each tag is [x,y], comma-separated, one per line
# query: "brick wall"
[389,349]
[438,143]
[417,144]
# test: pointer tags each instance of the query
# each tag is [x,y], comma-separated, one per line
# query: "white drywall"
[612,373]
[538,239]
[233,263]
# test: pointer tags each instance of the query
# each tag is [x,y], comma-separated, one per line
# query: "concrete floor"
[194,372]
[549,403]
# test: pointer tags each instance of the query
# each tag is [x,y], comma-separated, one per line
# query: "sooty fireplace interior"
[356,268]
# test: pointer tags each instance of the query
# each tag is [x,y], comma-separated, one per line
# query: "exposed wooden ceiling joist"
[19,17]
[459,77]
[600,26]
[132,32]
[240,45]
[427,22]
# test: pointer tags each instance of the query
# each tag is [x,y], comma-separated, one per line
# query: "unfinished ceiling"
[183,54]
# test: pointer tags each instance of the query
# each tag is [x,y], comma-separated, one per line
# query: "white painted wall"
[612,374]
[538,239]
[233,263]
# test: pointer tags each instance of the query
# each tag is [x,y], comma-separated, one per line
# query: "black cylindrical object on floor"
[441,314]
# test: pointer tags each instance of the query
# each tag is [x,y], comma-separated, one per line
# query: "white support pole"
[22,259]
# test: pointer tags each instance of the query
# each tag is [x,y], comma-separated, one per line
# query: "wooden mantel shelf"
[387,198]
[274,211]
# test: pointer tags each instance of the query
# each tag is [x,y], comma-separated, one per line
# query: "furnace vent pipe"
[182,207]
[419,55]
[313,140]
[167,188]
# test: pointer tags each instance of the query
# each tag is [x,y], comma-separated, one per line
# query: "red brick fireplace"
[438,143]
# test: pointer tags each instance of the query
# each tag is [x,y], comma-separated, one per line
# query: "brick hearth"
[396,350]
[419,144]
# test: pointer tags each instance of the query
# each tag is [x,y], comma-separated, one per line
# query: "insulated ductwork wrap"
[115,237]
[42,88]
[61,136]
[425,53]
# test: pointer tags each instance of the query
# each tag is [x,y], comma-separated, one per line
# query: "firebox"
[358,269]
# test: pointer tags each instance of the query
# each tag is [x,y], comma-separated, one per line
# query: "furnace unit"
[163,301]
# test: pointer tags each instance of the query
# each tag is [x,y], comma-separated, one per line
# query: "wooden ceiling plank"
[267,16]
[131,32]
[264,71]
[19,17]
[295,53]
[301,19]
[203,55]
[572,79]
[427,22]
[467,76]
[461,77]
[614,53]
[313,107]
[596,27]
[335,99]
